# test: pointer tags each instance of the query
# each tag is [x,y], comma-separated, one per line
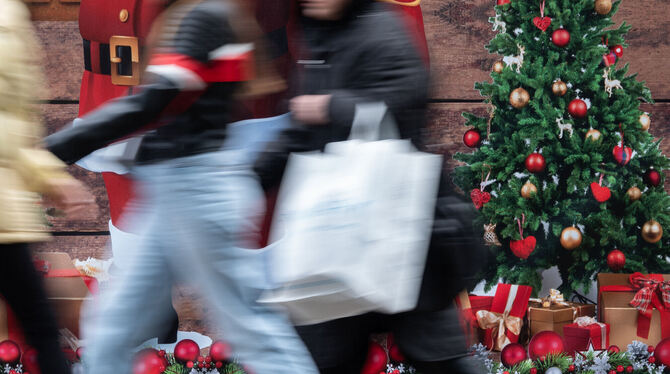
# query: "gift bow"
[647,289]
[555,297]
[585,321]
[499,323]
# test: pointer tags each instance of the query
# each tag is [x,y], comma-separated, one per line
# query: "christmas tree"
[564,172]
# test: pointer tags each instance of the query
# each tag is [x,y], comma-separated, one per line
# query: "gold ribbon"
[499,323]
[403,3]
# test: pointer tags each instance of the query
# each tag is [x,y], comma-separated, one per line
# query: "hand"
[311,109]
[72,198]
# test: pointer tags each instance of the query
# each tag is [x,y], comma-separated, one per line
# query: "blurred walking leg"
[22,287]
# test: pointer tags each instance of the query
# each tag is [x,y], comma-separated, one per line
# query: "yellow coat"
[25,170]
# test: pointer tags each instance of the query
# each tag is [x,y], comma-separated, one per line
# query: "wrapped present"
[66,290]
[469,306]
[504,320]
[553,312]
[636,306]
[584,332]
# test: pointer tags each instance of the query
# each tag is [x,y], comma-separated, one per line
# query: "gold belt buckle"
[124,41]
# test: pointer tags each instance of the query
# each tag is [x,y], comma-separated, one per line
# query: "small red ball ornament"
[650,348]
[543,344]
[560,37]
[189,364]
[10,353]
[220,351]
[376,360]
[29,361]
[571,368]
[653,177]
[395,354]
[652,360]
[512,354]
[618,50]
[613,349]
[577,108]
[629,369]
[147,361]
[611,372]
[535,163]
[533,370]
[616,260]
[471,138]
[186,350]
[503,2]
[620,369]
[662,352]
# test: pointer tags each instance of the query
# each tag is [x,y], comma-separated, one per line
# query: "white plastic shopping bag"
[353,224]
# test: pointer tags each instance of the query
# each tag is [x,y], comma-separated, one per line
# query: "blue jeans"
[200,215]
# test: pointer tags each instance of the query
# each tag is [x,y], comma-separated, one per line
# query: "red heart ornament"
[479,198]
[601,193]
[542,23]
[523,248]
[622,154]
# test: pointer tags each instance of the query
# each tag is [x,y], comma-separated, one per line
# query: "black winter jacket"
[183,107]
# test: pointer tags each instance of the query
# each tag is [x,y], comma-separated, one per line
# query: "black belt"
[105,66]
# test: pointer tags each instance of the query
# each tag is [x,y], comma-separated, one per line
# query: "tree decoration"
[503,2]
[593,135]
[600,192]
[577,108]
[618,50]
[479,196]
[571,238]
[610,85]
[512,354]
[652,231]
[542,22]
[519,98]
[634,193]
[616,260]
[622,154]
[10,353]
[524,247]
[562,127]
[516,60]
[543,344]
[613,349]
[528,190]
[147,361]
[535,163]
[653,177]
[560,37]
[609,59]
[662,352]
[220,351]
[186,350]
[471,138]
[553,370]
[559,88]
[498,67]
[376,360]
[490,236]
[603,7]
[645,122]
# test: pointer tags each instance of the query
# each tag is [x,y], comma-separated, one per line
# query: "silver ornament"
[553,370]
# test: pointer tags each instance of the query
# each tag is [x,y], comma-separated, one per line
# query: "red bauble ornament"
[543,344]
[523,248]
[10,353]
[662,352]
[652,360]
[617,50]
[512,354]
[616,260]
[501,2]
[376,360]
[395,354]
[560,37]
[220,351]
[147,361]
[614,348]
[650,348]
[535,163]
[29,361]
[620,369]
[479,198]
[611,372]
[186,350]
[471,138]
[601,193]
[577,108]
[571,368]
[533,371]
[630,369]
[622,155]
[189,364]
[653,177]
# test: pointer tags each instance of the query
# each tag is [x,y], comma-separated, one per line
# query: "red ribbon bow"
[648,293]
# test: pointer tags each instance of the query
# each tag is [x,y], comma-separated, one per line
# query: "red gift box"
[469,306]
[504,320]
[584,332]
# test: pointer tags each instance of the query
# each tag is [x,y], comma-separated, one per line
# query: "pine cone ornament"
[490,236]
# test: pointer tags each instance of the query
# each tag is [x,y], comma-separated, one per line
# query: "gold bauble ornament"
[498,66]
[593,135]
[634,194]
[571,238]
[645,122]
[559,88]
[528,190]
[519,98]
[603,7]
[652,231]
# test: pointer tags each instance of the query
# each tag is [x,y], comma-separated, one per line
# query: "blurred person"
[350,52]
[26,171]
[203,205]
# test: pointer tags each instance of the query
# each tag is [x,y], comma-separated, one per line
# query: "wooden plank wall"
[457,32]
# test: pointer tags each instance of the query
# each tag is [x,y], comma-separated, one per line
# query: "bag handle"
[373,121]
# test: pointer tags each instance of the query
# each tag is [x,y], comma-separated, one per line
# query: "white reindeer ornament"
[516,60]
[610,84]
